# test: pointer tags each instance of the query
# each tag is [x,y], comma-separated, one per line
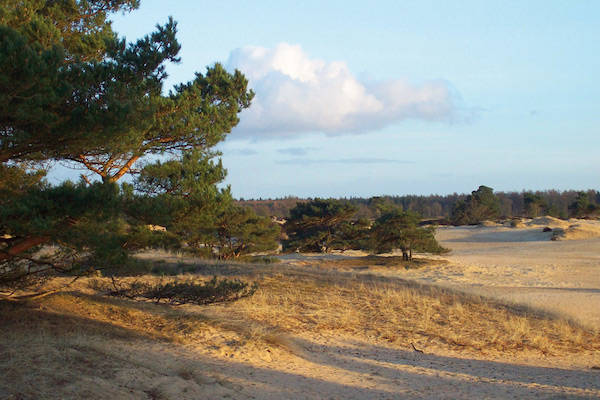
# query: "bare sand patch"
[522,265]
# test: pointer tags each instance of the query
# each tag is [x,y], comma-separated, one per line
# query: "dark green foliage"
[481,205]
[433,207]
[71,90]
[16,179]
[231,233]
[201,215]
[59,93]
[181,292]
[534,205]
[397,229]
[195,173]
[323,225]
[84,225]
[70,217]
[194,117]
[279,208]
[583,206]
[81,27]
[182,195]
[316,225]
[240,231]
[50,210]
[351,235]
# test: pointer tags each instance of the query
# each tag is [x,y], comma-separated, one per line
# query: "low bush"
[178,292]
[259,259]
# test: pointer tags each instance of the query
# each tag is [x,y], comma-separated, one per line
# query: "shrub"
[260,259]
[180,292]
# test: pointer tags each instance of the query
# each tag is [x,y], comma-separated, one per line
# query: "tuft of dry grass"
[373,262]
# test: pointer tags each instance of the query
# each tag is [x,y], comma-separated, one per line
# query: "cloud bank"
[297,94]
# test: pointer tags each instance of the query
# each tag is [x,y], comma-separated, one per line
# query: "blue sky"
[399,97]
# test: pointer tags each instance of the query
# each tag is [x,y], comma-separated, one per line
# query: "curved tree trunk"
[22,246]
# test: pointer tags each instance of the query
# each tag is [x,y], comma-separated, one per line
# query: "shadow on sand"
[349,370]
[509,236]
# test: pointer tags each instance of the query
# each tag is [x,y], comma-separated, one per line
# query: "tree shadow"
[135,367]
[509,236]
[500,378]
[522,289]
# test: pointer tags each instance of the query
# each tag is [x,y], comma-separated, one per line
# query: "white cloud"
[297,94]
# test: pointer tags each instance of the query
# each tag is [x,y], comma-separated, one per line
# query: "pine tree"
[482,204]
[397,229]
[315,225]
[71,90]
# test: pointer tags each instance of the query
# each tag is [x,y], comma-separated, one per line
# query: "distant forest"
[512,204]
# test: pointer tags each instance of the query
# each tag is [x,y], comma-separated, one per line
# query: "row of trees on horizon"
[529,204]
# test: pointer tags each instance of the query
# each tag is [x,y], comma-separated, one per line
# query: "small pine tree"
[316,225]
[583,206]
[400,230]
[482,204]
[239,231]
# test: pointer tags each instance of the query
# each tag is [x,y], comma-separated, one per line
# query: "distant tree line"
[559,204]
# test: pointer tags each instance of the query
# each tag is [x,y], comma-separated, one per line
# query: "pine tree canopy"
[72,91]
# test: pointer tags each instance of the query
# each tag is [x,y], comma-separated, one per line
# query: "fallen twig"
[34,296]
[415,349]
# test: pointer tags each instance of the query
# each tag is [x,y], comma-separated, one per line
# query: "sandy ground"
[524,266]
[333,368]
[521,265]
[340,368]
[517,264]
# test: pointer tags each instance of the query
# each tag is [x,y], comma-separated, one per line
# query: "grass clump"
[179,292]
[381,261]
[259,259]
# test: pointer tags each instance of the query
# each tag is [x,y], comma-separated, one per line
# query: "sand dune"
[524,265]
[321,329]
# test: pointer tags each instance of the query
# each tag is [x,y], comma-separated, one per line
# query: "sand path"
[341,368]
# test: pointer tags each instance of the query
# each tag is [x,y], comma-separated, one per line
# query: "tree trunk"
[405,255]
[22,246]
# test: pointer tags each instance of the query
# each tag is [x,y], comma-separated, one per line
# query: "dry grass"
[375,263]
[401,312]
[293,300]
[57,340]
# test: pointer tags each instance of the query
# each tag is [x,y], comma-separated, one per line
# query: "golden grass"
[294,301]
[70,334]
[401,312]
[374,262]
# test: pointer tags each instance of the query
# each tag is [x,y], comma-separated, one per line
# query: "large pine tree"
[72,91]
